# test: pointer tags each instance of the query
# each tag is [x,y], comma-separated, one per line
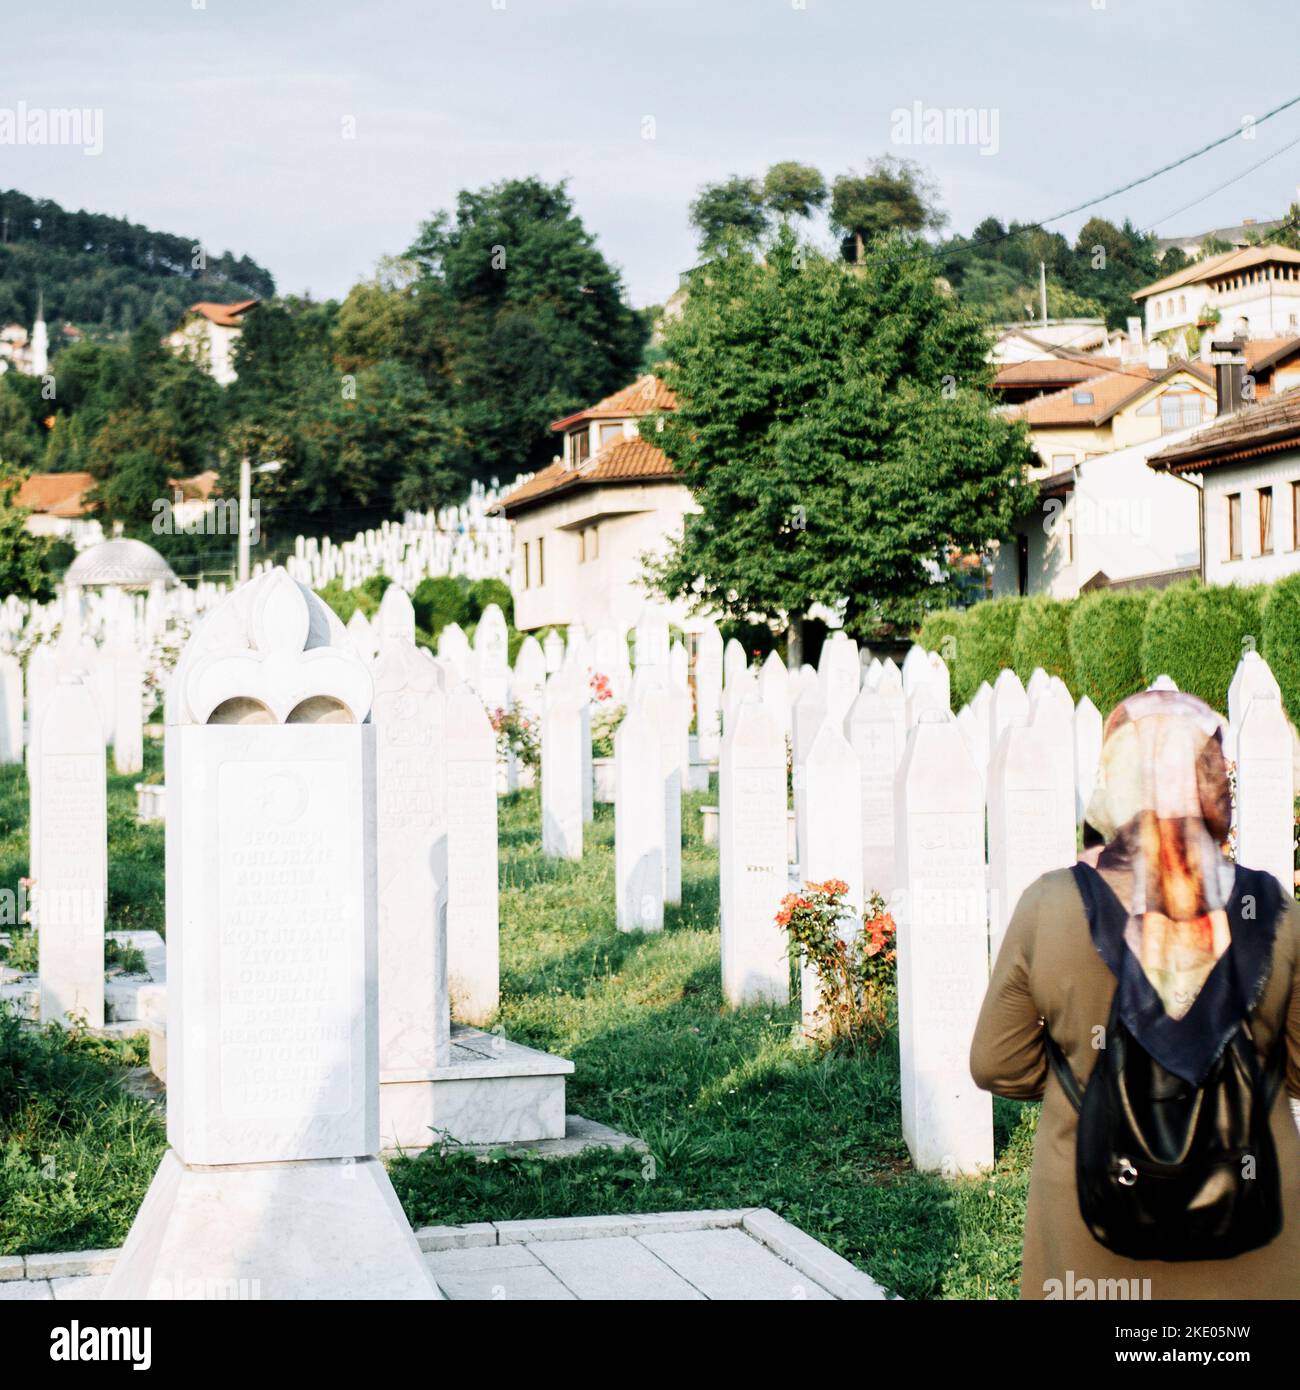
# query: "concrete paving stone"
[456,1237]
[23,1289]
[843,1279]
[78,1286]
[481,1257]
[526,1283]
[11,1267]
[614,1269]
[602,1227]
[729,1265]
[67,1263]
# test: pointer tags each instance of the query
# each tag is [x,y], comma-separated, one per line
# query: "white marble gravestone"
[562,764]
[1027,835]
[1008,704]
[916,668]
[553,651]
[1252,677]
[395,620]
[752,853]
[454,650]
[1266,791]
[363,635]
[492,664]
[735,662]
[809,714]
[840,674]
[1087,754]
[652,638]
[128,736]
[1051,713]
[273,1021]
[874,735]
[11,709]
[639,823]
[708,694]
[774,688]
[410,718]
[669,719]
[942,950]
[834,807]
[473,909]
[69,854]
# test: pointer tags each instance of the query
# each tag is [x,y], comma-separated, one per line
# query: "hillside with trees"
[106,275]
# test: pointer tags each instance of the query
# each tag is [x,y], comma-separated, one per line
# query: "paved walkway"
[725,1255]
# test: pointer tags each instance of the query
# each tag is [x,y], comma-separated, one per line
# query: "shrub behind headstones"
[1197,635]
[1042,639]
[1106,645]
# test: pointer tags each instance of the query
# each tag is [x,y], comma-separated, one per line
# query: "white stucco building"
[208,334]
[583,525]
[1245,472]
[1254,291]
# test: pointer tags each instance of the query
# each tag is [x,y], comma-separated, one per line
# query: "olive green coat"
[1049,970]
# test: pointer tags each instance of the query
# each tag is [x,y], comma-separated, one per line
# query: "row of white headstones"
[948,817]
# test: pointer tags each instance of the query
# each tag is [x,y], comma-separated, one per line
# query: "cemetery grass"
[734,1114]
[77,1151]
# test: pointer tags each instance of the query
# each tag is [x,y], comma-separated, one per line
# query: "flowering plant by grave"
[854,960]
[601,690]
[518,733]
[604,725]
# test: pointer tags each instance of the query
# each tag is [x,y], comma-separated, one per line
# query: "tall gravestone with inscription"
[69,854]
[473,916]
[272,1180]
[1266,791]
[639,823]
[752,836]
[708,693]
[874,734]
[942,949]
[11,709]
[562,765]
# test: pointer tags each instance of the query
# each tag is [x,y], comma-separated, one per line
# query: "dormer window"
[579,447]
[611,434]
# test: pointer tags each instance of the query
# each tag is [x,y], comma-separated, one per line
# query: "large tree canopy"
[835,429]
[523,317]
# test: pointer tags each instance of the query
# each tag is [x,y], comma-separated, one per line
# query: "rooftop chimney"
[1229,362]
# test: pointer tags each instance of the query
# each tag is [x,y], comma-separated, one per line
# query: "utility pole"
[245,506]
[1042,290]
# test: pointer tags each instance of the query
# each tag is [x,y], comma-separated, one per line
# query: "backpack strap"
[1064,1073]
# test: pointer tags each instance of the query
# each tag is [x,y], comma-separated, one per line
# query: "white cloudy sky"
[225,121]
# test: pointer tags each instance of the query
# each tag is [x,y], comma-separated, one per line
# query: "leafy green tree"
[835,431]
[892,195]
[521,316]
[20,440]
[791,189]
[734,210]
[23,569]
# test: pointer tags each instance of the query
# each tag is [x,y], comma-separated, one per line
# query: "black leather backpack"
[1170,1171]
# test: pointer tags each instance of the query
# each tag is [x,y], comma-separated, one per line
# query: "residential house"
[583,524]
[208,334]
[1253,292]
[1244,470]
[1244,233]
[58,507]
[1101,516]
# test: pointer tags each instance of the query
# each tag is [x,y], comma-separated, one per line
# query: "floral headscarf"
[1163,803]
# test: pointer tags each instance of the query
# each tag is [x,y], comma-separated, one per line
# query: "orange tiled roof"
[1107,394]
[55,494]
[646,396]
[224,315]
[198,488]
[1042,371]
[626,461]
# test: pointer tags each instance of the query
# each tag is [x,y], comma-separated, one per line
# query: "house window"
[541,561]
[1083,398]
[579,448]
[1060,462]
[588,544]
[1266,521]
[1234,526]
[610,434]
[1179,410]
[1157,308]
[1182,303]
[527,581]
[1295,516]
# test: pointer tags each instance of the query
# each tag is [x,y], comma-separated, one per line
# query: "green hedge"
[1281,644]
[944,631]
[1106,645]
[1196,634]
[1042,639]
[440,602]
[989,632]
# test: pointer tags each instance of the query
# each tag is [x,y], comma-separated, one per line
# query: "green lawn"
[733,1112]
